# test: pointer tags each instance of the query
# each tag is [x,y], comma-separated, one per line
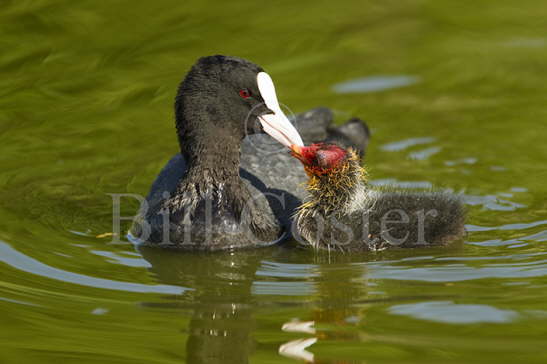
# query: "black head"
[222,95]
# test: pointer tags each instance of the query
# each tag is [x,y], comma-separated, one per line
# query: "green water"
[86,93]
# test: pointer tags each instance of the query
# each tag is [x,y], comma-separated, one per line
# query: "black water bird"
[231,187]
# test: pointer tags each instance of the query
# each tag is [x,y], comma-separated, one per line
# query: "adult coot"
[230,187]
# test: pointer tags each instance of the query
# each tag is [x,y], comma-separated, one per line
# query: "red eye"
[245,93]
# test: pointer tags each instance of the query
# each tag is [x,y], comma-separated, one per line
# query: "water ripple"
[519,226]
[374,83]
[424,154]
[118,259]
[20,261]
[452,313]
[456,273]
[406,143]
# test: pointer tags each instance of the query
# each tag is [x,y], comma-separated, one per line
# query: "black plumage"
[231,187]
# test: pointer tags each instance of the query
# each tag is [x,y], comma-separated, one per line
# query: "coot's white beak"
[277,125]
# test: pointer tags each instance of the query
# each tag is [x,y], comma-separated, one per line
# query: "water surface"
[86,94]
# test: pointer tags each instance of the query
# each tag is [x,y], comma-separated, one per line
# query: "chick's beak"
[296,151]
[276,124]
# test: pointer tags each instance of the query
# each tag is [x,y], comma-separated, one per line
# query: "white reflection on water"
[296,349]
[406,143]
[424,153]
[518,226]
[374,83]
[449,312]
[118,259]
[20,261]
[492,202]
[458,272]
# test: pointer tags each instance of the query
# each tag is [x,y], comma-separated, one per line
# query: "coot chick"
[342,212]
[228,188]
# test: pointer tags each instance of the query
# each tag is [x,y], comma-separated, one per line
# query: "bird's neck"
[213,172]
[338,190]
[209,144]
[215,156]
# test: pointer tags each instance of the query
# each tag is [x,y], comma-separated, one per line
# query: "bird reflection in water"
[223,306]
[221,302]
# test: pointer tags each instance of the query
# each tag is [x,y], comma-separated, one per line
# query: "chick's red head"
[319,158]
